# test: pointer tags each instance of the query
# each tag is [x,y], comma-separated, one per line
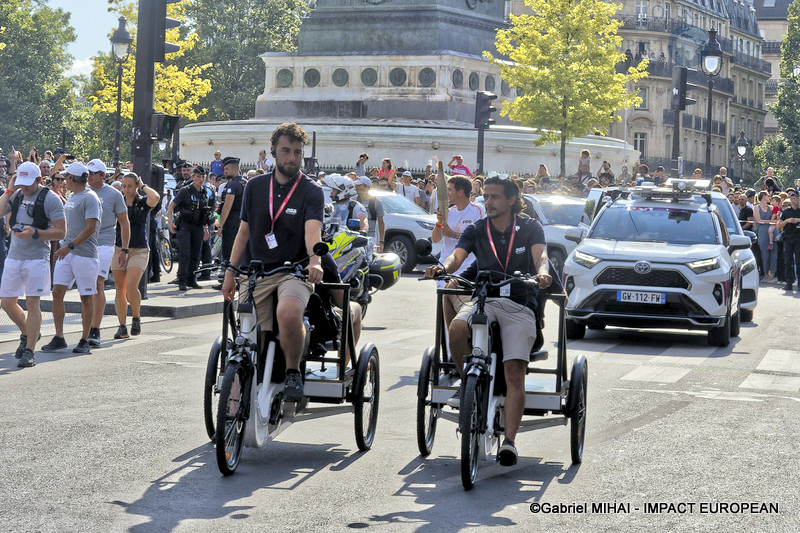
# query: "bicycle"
[480,414]
[250,409]
[166,254]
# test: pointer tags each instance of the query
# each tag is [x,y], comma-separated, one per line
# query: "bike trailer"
[388,267]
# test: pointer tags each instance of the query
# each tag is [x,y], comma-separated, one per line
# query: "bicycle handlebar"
[483,277]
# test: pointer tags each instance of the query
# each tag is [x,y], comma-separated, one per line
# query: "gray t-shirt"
[79,207]
[25,249]
[113,204]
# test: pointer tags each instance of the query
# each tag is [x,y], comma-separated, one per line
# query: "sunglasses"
[57,179]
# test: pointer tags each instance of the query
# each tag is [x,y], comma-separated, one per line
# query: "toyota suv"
[657,259]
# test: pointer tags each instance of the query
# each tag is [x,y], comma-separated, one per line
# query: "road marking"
[778,370]
[739,396]
[672,365]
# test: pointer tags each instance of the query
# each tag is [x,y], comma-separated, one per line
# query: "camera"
[17,228]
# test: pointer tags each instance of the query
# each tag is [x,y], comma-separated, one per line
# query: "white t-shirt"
[409,191]
[458,221]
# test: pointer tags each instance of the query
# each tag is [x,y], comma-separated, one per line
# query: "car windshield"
[567,213]
[656,224]
[394,204]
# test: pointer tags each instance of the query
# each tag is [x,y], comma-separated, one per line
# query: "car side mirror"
[751,235]
[739,242]
[423,247]
[321,249]
[574,234]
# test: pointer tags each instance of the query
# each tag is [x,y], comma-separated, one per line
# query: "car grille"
[654,278]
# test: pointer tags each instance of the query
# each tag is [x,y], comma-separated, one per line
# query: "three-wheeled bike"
[243,396]
[549,396]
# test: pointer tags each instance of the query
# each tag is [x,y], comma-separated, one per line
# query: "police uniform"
[234,187]
[194,209]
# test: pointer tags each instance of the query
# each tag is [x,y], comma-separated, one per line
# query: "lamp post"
[712,64]
[741,148]
[120,47]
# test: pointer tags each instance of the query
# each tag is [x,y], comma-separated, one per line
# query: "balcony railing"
[771,86]
[664,70]
[752,62]
[771,47]
[695,122]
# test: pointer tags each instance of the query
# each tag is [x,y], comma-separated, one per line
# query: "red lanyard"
[510,243]
[274,218]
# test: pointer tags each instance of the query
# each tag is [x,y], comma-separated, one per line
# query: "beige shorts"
[517,325]
[285,284]
[137,258]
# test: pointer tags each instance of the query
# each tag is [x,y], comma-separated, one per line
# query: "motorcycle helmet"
[342,188]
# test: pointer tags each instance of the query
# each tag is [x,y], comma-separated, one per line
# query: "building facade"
[773,24]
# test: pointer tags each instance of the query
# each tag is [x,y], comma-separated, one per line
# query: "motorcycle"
[365,271]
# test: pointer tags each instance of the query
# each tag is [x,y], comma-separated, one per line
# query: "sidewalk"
[164,302]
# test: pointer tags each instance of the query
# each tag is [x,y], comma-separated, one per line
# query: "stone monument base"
[410,144]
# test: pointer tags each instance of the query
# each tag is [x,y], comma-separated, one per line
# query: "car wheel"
[721,335]
[746,315]
[404,248]
[557,258]
[574,330]
[735,323]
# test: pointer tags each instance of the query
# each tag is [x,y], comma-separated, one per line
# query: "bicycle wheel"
[427,413]
[469,418]
[231,421]
[578,390]
[165,254]
[214,369]
[367,394]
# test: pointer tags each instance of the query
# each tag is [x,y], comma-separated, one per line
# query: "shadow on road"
[436,483]
[195,489]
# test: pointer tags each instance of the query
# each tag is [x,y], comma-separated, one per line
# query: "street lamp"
[120,47]
[741,148]
[712,64]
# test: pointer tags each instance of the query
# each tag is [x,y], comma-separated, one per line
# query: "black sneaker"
[58,343]
[182,287]
[155,279]
[194,285]
[293,387]
[507,454]
[122,332]
[94,337]
[27,359]
[136,327]
[217,286]
[787,287]
[23,342]
[82,347]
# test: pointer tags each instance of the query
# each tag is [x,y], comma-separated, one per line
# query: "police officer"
[184,176]
[194,205]
[230,209]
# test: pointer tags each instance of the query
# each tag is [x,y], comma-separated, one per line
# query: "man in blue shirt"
[503,242]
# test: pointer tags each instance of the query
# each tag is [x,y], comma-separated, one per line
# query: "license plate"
[642,297]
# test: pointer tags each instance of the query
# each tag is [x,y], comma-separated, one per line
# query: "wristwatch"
[124,250]
[70,246]
[35,233]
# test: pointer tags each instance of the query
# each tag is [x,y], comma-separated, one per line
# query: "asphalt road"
[114,441]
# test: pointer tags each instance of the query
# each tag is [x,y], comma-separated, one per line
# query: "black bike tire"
[427,413]
[469,419]
[227,465]
[368,370]
[214,367]
[165,254]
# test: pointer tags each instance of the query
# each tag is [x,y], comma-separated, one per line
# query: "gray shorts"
[517,325]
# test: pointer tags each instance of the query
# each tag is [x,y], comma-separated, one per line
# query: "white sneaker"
[455,400]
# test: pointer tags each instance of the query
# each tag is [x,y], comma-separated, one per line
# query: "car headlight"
[427,225]
[585,260]
[748,266]
[704,265]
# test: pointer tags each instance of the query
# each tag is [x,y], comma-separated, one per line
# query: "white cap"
[408,173]
[96,165]
[77,169]
[363,180]
[27,173]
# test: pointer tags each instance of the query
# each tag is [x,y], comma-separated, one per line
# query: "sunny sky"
[93,23]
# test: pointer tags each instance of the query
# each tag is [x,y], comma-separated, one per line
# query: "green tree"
[785,108]
[232,36]
[773,152]
[178,87]
[36,99]
[564,59]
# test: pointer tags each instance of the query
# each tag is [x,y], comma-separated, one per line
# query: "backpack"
[40,220]
[371,208]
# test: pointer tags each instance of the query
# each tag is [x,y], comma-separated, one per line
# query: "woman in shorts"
[127,276]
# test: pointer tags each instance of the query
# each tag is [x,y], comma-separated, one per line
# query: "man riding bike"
[273,235]
[503,242]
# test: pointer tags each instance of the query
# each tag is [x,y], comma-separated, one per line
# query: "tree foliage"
[785,108]
[36,99]
[232,36]
[564,59]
